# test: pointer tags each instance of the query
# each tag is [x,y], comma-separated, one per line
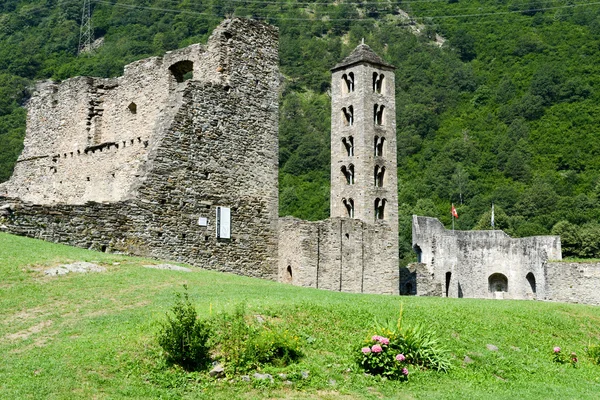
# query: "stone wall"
[483,264]
[339,254]
[573,282]
[202,143]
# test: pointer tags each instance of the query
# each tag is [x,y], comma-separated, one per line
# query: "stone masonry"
[356,250]
[176,159]
[477,264]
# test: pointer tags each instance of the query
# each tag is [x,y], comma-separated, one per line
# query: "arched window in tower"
[379,141]
[378,114]
[349,204]
[349,145]
[380,208]
[348,174]
[377,82]
[348,83]
[379,174]
[348,115]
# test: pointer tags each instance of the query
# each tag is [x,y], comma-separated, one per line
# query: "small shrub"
[244,345]
[183,336]
[272,346]
[593,352]
[559,357]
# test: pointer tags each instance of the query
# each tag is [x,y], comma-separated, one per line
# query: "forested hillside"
[506,110]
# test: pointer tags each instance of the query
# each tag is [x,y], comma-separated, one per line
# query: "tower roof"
[362,53]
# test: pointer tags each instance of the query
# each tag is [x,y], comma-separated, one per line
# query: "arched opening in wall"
[288,273]
[132,108]
[378,114]
[377,82]
[348,174]
[380,209]
[531,279]
[448,279]
[498,283]
[348,115]
[418,252]
[349,204]
[379,146]
[379,174]
[182,71]
[348,83]
[348,145]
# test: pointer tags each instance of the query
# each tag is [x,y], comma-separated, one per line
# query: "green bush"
[184,337]
[593,352]
[244,344]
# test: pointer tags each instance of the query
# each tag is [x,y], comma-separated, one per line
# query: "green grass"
[92,335]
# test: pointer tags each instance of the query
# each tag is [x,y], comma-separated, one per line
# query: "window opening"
[132,108]
[380,208]
[349,145]
[419,253]
[348,86]
[349,204]
[348,174]
[448,278]
[379,173]
[182,70]
[379,146]
[377,82]
[378,114]
[348,114]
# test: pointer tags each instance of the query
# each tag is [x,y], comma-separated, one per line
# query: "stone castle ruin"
[177,159]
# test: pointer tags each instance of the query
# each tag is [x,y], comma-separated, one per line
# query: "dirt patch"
[24,334]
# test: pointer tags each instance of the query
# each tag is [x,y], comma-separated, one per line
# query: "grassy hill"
[92,335]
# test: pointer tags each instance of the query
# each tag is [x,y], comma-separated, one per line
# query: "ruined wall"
[339,254]
[213,143]
[88,139]
[573,282]
[483,264]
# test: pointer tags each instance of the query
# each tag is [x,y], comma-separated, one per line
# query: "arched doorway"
[532,285]
[498,285]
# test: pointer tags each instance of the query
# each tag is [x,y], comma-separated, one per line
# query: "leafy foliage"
[505,111]
[184,337]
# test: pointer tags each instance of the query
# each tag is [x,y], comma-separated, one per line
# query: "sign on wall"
[223,223]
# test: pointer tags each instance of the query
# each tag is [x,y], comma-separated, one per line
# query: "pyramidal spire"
[363,53]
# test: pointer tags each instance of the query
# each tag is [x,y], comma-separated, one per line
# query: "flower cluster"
[378,358]
[563,358]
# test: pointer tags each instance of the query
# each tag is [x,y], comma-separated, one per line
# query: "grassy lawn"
[92,335]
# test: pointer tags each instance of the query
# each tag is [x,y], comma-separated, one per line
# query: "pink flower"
[384,340]
[404,371]
[557,349]
[366,350]
[400,357]
[376,348]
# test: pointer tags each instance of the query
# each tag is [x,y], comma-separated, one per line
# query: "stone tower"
[364,183]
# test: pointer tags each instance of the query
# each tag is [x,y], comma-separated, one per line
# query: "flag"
[453,211]
[492,215]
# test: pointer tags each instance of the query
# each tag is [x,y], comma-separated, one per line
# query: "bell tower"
[364,183]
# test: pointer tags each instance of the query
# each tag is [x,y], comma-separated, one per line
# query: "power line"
[433,17]
[86,32]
